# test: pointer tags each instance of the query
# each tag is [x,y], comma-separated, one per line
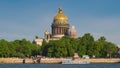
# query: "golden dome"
[60,15]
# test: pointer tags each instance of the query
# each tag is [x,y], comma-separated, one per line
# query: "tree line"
[85,45]
[18,48]
[65,47]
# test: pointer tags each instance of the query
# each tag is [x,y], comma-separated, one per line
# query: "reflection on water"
[59,65]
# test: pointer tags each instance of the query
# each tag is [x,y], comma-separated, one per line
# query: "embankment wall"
[57,60]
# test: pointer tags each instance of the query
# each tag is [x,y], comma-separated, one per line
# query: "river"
[60,65]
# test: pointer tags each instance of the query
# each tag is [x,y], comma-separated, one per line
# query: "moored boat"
[74,62]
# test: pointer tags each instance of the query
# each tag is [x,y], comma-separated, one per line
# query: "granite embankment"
[99,60]
[14,60]
[56,60]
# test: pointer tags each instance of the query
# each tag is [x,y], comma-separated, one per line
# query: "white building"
[38,41]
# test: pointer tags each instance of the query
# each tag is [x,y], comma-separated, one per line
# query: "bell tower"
[47,35]
[73,32]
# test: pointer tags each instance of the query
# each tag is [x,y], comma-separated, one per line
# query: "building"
[118,54]
[60,27]
[38,41]
[73,32]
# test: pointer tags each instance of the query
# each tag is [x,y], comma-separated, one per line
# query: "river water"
[59,65]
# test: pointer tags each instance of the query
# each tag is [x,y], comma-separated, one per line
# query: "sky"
[29,18]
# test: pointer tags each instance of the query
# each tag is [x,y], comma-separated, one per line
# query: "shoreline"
[57,60]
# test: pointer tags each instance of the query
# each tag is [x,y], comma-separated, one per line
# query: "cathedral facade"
[60,27]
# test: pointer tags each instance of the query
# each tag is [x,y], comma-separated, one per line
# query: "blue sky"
[28,18]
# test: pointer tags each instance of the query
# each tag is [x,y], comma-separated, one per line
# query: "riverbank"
[56,60]
[14,60]
[95,60]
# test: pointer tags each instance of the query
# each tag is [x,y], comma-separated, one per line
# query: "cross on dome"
[60,9]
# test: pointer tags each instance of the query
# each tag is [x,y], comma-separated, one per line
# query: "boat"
[67,62]
[74,62]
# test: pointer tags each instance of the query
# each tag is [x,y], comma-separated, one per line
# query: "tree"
[105,48]
[102,39]
[110,49]
[17,48]
[86,42]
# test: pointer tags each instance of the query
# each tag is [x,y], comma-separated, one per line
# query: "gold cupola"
[60,25]
[60,15]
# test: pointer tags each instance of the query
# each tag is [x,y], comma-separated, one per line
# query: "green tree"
[86,43]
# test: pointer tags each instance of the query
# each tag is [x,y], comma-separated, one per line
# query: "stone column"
[60,30]
[55,31]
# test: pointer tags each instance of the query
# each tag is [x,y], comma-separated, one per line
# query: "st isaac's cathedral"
[60,27]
